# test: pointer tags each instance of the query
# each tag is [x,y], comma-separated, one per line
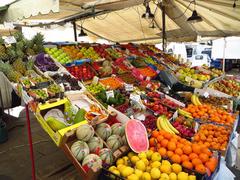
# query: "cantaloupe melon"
[92,161]
[106,155]
[80,150]
[114,142]
[85,132]
[103,130]
[118,129]
[95,144]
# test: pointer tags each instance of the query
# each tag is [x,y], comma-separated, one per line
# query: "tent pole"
[75,30]
[224,49]
[163,27]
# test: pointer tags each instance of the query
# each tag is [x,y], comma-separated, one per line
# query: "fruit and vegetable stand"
[106,109]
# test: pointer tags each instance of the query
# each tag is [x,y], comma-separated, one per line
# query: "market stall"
[113,116]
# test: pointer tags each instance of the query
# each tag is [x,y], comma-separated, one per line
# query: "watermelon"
[114,142]
[136,135]
[103,130]
[106,155]
[118,129]
[80,150]
[92,161]
[95,144]
[85,132]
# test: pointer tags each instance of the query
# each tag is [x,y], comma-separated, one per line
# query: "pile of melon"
[93,150]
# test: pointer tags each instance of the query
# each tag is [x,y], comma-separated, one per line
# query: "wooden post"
[164,38]
[75,30]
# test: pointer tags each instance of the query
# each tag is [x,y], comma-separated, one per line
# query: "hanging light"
[153,26]
[82,33]
[148,14]
[195,17]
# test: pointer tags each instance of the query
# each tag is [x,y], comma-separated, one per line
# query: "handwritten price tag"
[110,94]
[10,40]
[135,97]
[128,87]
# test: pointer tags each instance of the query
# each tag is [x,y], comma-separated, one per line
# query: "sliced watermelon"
[137,137]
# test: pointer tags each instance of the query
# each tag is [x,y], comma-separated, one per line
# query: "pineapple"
[19,66]
[29,64]
[5,67]
[38,43]
[4,56]
[18,36]
[14,76]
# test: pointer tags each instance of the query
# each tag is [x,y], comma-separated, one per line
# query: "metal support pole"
[163,28]
[30,142]
[75,30]
[224,52]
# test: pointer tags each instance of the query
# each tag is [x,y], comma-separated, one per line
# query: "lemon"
[146,162]
[138,173]
[155,164]
[115,171]
[120,167]
[176,168]
[165,169]
[112,168]
[126,160]
[131,154]
[120,161]
[133,177]
[126,171]
[155,173]
[192,177]
[148,169]
[134,159]
[172,176]
[141,165]
[166,162]
[142,155]
[156,157]
[183,176]
[149,154]
[164,176]
[146,176]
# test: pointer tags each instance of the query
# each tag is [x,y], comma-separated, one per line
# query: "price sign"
[135,97]
[10,40]
[26,98]
[128,87]
[206,94]
[95,80]
[110,94]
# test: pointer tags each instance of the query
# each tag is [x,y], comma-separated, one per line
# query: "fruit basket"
[111,82]
[127,78]
[82,72]
[144,73]
[95,112]
[104,68]
[56,135]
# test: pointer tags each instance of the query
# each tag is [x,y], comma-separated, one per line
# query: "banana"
[185,113]
[193,99]
[158,124]
[198,101]
[164,125]
[171,126]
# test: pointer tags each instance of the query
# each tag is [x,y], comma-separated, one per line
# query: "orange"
[187,149]
[152,142]
[196,161]
[203,157]
[179,145]
[184,158]
[173,140]
[179,151]
[162,151]
[153,149]
[176,158]
[155,133]
[159,138]
[187,165]
[164,143]
[200,168]
[206,151]
[192,156]
[171,146]
[196,149]
[169,153]
[210,165]
[167,136]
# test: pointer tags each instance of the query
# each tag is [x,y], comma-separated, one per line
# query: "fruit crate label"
[110,94]
[196,126]
[10,40]
[135,97]
[95,80]
[128,87]
[25,97]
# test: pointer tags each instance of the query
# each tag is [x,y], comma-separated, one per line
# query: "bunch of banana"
[185,113]
[195,100]
[164,124]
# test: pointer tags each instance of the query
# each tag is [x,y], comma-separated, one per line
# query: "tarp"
[120,21]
